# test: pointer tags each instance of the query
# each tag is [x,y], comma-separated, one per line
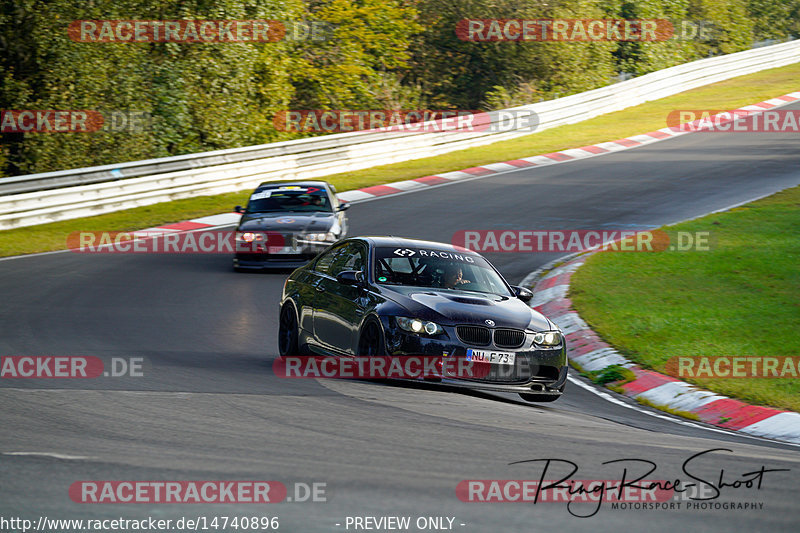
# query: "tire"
[370,342]
[288,332]
[541,398]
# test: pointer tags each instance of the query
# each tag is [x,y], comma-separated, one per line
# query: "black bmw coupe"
[386,296]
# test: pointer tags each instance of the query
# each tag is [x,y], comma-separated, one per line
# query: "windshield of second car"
[437,269]
[296,199]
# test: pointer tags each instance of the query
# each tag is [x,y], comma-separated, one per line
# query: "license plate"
[292,248]
[284,250]
[483,356]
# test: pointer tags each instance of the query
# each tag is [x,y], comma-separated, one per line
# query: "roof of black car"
[273,184]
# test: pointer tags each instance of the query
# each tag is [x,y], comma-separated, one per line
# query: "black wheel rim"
[287,332]
[370,341]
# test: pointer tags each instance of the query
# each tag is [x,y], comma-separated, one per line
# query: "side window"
[351,256]
[327,259]
[357,259]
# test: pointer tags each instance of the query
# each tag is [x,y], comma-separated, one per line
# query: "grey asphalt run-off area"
[209,406]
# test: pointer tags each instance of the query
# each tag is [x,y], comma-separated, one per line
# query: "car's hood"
[461,307]
[287,222]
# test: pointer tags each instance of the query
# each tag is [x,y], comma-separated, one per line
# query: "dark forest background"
[381,54]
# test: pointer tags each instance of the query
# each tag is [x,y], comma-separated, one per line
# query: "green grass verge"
[611,374]
[651,116]
[740,298]
[53,236]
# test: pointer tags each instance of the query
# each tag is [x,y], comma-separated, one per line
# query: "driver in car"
[454,276]
[313,200]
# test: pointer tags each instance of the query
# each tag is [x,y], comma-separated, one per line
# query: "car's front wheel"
[371,342]
[287,332]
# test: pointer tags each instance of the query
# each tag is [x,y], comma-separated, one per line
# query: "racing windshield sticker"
[439,254]
[446,255]
[261,195]
[269,192]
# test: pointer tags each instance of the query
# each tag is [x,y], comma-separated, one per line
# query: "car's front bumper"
[539,371]
[284,258]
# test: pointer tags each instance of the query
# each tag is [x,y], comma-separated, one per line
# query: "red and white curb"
[212,221]
[589,352]
[573,154]
[553,158]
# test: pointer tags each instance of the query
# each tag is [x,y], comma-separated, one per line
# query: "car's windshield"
[436,269]
[289,198]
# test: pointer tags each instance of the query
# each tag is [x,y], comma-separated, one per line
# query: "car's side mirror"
[344,206]
[349,277]
[522,293]
[239,209]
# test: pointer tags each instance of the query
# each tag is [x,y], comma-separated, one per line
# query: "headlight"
[318,237]
[249,236]
[547,338]
[415,325]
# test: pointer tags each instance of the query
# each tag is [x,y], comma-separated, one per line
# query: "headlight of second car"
[318,237]
[547,339]
[249,236]
[415,325]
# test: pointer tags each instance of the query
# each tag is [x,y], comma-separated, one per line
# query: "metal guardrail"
[41,198]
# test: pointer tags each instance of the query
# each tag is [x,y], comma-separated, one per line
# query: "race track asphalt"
[209,406]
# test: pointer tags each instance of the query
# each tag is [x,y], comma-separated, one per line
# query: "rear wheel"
[287,332]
